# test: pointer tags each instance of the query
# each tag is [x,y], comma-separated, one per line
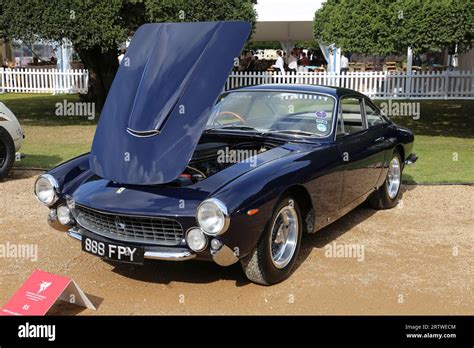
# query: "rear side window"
[374,117]
[350,120]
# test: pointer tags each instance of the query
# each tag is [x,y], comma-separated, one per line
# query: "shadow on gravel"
[20,174]
[202,272]
[165,272]
[330,233]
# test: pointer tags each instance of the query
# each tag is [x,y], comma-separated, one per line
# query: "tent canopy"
[283,31]
[282,20]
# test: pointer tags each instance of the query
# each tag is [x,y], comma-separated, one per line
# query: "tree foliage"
[87,23]
[201,10]
[97,27]
[383,27]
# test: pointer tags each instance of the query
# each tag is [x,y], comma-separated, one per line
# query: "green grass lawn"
[444,142]
[444,136]
[50,139]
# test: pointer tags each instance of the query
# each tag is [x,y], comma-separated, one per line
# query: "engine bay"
[216,152]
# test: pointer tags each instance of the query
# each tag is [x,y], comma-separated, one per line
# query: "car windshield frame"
[292,133]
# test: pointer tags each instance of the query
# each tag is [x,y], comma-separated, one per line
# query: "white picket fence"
[375,84]
[43,80]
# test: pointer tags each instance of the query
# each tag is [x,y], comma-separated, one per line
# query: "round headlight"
[212,216]
[46,188]
[64,215]
[196,239]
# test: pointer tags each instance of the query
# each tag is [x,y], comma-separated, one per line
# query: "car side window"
[374,117]
[350,119]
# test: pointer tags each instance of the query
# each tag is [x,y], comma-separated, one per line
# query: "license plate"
[113,251]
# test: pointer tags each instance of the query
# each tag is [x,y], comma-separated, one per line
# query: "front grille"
[150,230]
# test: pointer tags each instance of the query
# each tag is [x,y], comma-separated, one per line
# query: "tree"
[358,26]
[434,25]
[384,27]
[97,27]
[200,10]
[92,26]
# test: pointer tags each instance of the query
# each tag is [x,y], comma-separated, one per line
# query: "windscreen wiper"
[293,131]
[238,127]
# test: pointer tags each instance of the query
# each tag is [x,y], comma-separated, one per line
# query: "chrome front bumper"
[153,253]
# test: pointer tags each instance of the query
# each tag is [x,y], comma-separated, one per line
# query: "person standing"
[121,56]
[344,63]
[279,64]
[293,61]
[304,61]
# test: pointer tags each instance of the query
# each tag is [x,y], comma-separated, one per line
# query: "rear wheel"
[274,257]
[7,152]
[387,195]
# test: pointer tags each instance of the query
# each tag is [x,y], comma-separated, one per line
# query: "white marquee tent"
[289,21]
[283,20]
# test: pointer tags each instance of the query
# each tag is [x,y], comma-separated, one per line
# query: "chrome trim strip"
[73,234]
[167,253]
[178,255]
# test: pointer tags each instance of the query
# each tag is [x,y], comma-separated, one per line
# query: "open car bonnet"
[161,99]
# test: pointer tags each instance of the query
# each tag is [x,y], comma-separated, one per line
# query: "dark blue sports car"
[179,171]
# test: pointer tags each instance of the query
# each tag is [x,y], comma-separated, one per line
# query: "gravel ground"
[418,259]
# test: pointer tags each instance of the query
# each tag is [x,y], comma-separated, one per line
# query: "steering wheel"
[237,116]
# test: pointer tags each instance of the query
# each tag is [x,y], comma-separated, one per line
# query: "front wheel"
[387,195]
[7,153]
[274,257]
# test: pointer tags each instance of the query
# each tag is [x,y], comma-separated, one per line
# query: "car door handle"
[379,139]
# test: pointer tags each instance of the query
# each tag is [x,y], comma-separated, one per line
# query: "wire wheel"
[284,236]
[393,178]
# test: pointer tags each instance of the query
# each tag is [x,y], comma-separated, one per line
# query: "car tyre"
[7,153]
[274,257]
[387,195]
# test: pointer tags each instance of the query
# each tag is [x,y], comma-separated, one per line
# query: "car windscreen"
[294,113]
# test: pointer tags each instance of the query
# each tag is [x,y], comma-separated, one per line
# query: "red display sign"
[40,291]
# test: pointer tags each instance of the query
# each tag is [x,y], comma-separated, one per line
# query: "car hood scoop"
[161,99]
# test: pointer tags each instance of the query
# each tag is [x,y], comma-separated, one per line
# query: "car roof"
[334,91]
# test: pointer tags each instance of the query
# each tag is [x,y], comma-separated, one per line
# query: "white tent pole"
[287,45]
[409,59]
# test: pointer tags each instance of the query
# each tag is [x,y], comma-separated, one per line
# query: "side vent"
[143,134]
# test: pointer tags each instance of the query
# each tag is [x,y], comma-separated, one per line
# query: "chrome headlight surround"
[213,209]
[47,182]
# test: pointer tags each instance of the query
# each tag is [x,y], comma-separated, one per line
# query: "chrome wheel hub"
[393,178]
[284,236]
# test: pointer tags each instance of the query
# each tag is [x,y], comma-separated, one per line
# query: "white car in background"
[11,137]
